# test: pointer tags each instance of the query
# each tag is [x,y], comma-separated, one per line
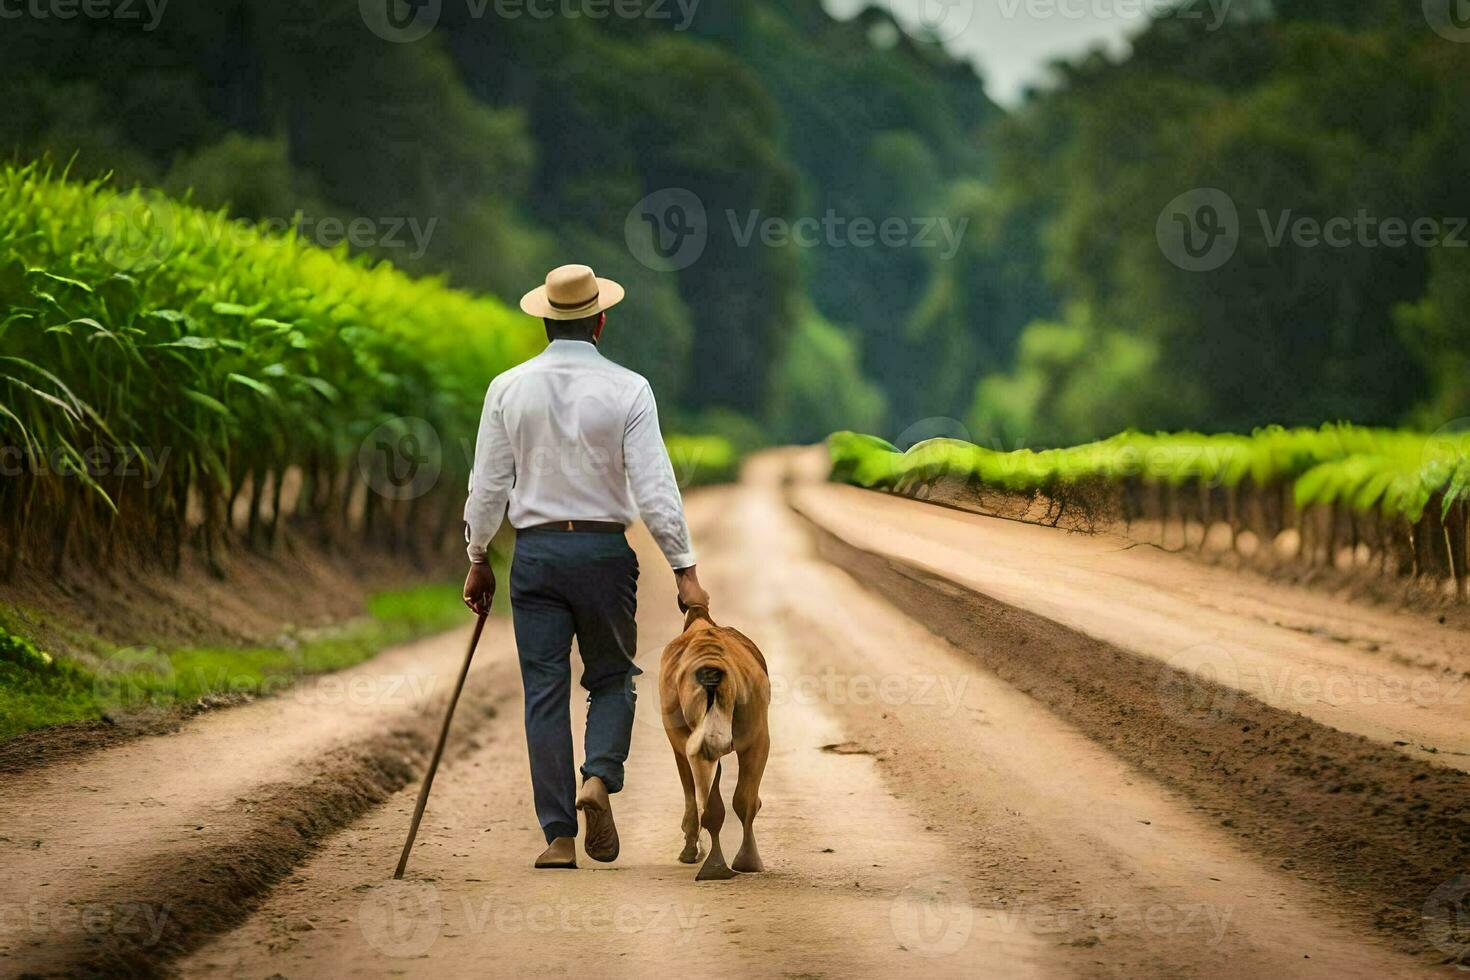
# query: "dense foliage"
[527,141]
[1401,480]
[519,142]
[162,367]
[1349,118]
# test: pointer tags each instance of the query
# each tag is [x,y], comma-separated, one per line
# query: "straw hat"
[570,293]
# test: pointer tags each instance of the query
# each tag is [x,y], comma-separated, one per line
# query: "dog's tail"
[708,700]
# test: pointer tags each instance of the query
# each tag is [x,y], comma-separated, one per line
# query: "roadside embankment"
[1223,693]
[121,859]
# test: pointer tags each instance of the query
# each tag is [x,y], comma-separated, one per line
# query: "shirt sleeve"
[651,477]
[490,480]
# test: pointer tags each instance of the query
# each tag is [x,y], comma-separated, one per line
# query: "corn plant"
[162,367]
[1401,495]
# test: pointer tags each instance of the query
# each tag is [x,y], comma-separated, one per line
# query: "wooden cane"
[418,811]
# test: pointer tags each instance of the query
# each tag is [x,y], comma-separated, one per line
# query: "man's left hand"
[479,588]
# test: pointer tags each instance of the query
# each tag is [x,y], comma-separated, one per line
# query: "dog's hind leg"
[748,801]
[712,817]
[690,824]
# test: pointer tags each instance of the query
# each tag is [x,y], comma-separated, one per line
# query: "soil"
[1352,578]
[921,815]
[168,839]
[298,586]
[998,805]
[269,598]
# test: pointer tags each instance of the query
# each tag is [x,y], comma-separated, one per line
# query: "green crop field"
[1400,496]
[168,375]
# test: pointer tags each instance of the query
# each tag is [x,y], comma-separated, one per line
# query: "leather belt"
[597,527]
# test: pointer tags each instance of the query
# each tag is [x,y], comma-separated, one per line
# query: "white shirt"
[569,435]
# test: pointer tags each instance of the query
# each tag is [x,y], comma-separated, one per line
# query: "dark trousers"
[582,584]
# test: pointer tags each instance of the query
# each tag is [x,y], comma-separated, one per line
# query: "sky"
[1011,41]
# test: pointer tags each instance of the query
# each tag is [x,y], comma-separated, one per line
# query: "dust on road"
[920,816]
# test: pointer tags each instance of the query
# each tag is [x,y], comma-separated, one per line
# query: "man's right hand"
[479,588]
[691,593]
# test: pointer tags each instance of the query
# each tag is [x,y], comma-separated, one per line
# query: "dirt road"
[921,816]
[1398,679]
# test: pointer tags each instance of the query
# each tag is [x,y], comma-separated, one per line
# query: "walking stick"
[418,811]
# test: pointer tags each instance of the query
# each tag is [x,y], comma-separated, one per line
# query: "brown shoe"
[560,853]
[601,839]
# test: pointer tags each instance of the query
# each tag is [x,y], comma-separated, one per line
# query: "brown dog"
[715,692]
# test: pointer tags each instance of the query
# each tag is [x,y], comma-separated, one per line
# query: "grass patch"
[142,685]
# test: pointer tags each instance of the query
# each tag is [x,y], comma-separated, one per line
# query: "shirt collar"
[577,349]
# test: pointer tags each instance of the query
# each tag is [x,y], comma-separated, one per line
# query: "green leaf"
[258,386]
[67,281]
[232,309]
[200,398]
[193,343]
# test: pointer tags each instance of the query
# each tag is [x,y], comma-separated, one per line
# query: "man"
[570,441]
